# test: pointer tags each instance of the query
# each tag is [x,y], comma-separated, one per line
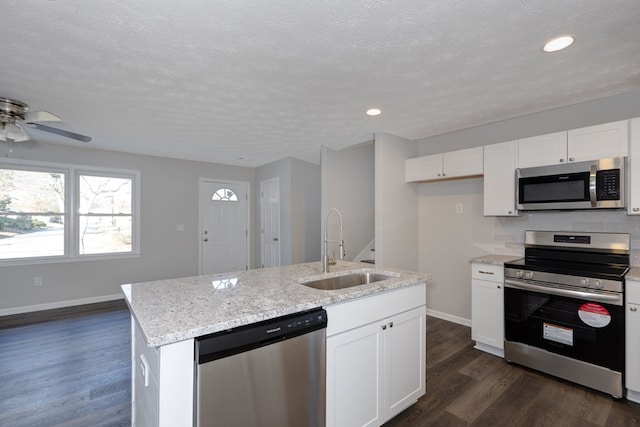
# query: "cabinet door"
[598,142]
[425,168]
[354,377]
[462,163]
[499,179]
[542,150]
[634,168]
[404,356]
[487,312]
[632,319]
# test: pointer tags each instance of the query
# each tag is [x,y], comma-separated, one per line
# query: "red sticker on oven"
[594,315]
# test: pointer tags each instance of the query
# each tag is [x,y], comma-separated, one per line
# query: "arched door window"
[224,195]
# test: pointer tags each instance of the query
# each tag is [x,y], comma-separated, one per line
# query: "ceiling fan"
[14,115]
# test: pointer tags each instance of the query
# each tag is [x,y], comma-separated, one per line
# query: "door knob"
[206,239]
[275,239]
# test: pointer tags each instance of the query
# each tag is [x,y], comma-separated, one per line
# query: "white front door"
[224,235]
[270,222]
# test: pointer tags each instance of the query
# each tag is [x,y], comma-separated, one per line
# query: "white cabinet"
[598,142]
[375,356]
[487,307]
[453,164]
[632,340]
[499,179]
[542,150]
[577,145]
[633,184]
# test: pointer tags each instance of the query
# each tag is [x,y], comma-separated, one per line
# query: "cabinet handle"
[485,272]
[635,209]
[571,159]
[444,174]
[561,160]
[499,286]
[633,308]
[391,324]
[384,327]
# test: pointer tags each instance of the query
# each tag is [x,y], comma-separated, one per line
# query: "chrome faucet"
[325,255]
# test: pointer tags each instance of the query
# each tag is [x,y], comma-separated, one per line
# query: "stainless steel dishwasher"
[266,374]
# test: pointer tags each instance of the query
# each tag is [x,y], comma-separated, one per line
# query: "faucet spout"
[325,255]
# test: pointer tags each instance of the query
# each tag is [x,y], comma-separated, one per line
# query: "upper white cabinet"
[633,184]
[542,150]
[598,142]
[577,145]
[454,164]
[499,179]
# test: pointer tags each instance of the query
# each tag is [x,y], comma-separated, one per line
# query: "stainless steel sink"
[346,281]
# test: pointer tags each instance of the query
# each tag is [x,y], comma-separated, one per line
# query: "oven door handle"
[611,299]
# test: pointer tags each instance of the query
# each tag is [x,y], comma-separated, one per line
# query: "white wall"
[169,196]
[348,181]
[396,204]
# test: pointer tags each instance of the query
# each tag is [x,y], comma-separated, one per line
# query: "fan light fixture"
[374,112]
[558,43]
[10,131]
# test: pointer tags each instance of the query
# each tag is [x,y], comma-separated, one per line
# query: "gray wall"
[348,184]
[396,204]
[299,209]
[448,240]
[169,196]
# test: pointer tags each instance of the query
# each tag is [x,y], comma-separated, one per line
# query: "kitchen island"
[167,315]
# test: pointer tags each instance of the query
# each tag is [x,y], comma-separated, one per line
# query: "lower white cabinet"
[487,307]
[376,359]
[632,340]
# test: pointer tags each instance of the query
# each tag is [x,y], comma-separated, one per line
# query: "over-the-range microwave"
[598,184]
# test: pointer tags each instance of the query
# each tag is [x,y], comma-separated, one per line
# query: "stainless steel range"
[563,305]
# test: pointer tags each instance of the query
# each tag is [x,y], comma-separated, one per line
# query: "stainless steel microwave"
[598,184]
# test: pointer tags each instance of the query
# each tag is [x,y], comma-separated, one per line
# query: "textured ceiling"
[261,80]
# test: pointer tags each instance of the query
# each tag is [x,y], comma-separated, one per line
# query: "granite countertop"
[633,274]
[174,310]
[495,259]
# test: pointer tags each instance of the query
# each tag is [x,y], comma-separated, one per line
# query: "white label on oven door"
[557,333]
[594,315]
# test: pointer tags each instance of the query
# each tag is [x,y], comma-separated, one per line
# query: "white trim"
[262,183]
[247,184]
[633,396]
[449,317]
[59,304]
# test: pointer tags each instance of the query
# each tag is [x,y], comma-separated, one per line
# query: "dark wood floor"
[75,371]
[72,371]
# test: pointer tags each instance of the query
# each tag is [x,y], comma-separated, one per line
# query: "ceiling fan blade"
[61,132]
[40,116]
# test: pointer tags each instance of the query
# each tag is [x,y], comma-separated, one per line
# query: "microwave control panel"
[608,184]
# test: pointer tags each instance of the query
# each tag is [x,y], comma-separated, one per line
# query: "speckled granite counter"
[494,259]
[174,310]
[633,274]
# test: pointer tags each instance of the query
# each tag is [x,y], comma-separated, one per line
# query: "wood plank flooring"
[75,371]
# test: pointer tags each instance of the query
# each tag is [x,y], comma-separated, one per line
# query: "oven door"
[575,326]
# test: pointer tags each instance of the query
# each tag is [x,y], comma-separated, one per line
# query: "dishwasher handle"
[244,338]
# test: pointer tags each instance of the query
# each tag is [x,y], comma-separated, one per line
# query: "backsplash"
[509,231]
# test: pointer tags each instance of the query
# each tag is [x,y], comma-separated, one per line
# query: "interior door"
[270,222]
[224,218]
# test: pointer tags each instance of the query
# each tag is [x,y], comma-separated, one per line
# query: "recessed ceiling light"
[373,112]
[558,43]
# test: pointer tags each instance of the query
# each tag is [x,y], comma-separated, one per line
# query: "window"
[53,212]
[224,195]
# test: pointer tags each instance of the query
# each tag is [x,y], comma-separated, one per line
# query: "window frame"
[71,215]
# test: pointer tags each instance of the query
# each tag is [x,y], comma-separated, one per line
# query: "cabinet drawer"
[492,273]
[632,292]
[352,314]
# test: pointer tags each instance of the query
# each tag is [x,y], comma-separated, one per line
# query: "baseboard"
[489,349]
[633,396]
[449,317]
[58,304]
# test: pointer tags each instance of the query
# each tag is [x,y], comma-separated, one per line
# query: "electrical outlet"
[180,227]
[459,208]
[37,281]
